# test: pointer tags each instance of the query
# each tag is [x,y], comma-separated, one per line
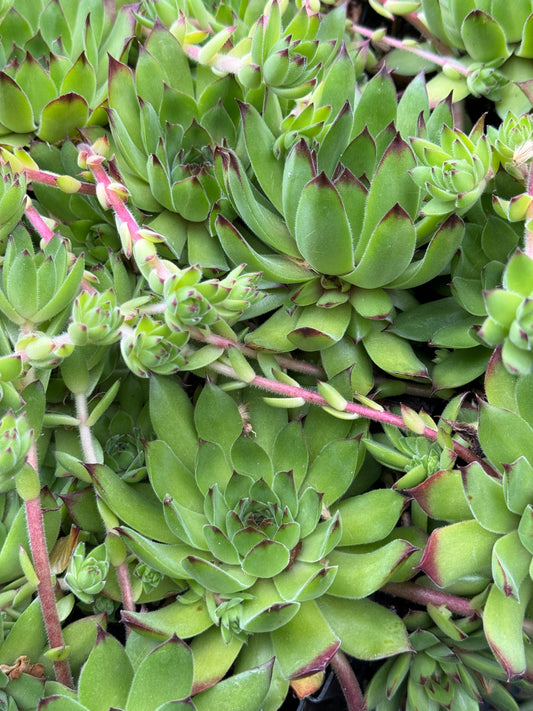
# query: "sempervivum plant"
[347,185]
[451,668]
[248,517]
[54,75]
[163,142]
[485,549]
[148,675]
[510,315]
[483,50]
[455,172]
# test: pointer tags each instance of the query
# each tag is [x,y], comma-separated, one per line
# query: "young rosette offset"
[455,172]
[152,347]
[496,48]
[510,315]
[96,319]
[249,517]
[15,439]
[86,575]
[38,285]
[191,302]
[512,144]
[64,89]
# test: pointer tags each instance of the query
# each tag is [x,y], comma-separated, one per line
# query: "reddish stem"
[45,177]
[37,222]
[430,56]
[425,596]
[41,562]
[294,391]
[348,681]
[300,366]
[123,575]
[115,194]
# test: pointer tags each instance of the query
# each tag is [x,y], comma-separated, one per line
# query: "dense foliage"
[266,354]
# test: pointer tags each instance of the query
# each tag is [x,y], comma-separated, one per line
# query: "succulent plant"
[143,676]
[54,77]
[509,315]
[511,144]
[337,296]
[16,437]
[163,142]
[151,347]
[200,202]
[86,574]
[491,530]
[96,319]
[478,47]
[450,668]
[53,275]
[257,532]
[455,172]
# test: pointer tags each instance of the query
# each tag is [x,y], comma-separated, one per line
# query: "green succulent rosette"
[455,172]
[96,319]
[192,303]
[450,667]
[38,285]
[86,574]
[512,144]
[16,436]
[335,231]
[152,347]
[163,142]
[142,675]
[65,88]
[416,456]
[494,47]
[485,547]
[249,519]
[510,315]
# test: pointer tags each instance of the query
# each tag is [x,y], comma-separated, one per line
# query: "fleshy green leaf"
[483,36]
[361,574]
[168,401]
[322,232]
[504,435]
[340,456]
[502,623]
[166,674]
[106,677]
[260,146]
[388,252]
[175,618]
[366,630]
[458,550]
[306,644]
[486,499]
[217,417]
[244,691]
[393,354]
[369,517]
[63,117]
[15,109]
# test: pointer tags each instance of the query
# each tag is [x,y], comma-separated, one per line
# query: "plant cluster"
[266,355]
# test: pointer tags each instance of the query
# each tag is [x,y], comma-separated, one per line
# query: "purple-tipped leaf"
[306,644]
[503,617]
[322,231]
